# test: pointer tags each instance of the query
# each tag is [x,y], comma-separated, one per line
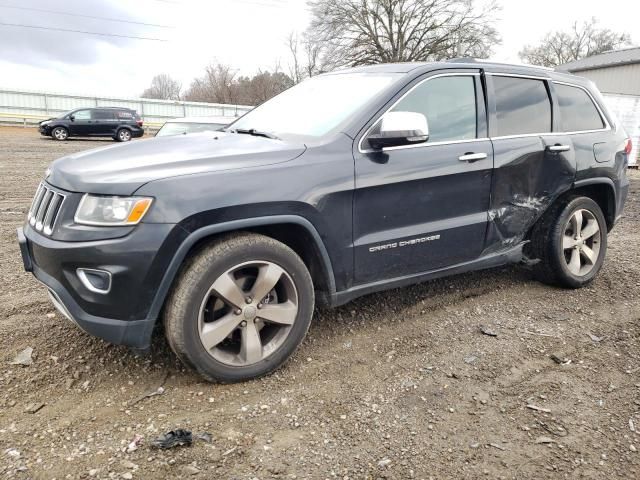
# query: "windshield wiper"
[255,133]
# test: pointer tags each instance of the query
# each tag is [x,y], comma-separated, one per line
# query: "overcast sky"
[246,34]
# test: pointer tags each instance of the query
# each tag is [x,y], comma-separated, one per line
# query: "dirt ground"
[397,385]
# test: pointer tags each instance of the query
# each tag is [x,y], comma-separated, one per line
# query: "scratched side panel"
[527,178]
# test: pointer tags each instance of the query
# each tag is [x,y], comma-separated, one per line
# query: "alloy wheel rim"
[124,135]
[60,134]
[247,313]
[581,242]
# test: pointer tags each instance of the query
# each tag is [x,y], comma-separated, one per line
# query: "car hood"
[122,169]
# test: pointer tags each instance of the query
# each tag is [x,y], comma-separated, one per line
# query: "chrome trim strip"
[402,147]
[517,75]
[59,305]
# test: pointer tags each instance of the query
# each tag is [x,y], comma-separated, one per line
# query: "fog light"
[97,281]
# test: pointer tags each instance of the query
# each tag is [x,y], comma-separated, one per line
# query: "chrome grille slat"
[45,209]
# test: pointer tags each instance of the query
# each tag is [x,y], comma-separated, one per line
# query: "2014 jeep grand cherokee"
[348,183]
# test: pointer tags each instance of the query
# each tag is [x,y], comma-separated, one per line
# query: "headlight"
[111,211]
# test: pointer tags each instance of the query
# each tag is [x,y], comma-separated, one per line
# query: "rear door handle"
[559,148]
[472,157]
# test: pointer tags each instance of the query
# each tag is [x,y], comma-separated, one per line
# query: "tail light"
[627,146]
[139,121]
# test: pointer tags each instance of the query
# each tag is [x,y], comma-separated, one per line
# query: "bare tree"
[358,32]
[163,87]
[217,85]
[579,42]
[306,57]
[220,84]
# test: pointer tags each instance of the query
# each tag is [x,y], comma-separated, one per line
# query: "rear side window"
[125,115]
[577,110]
[522,106]
[102,115]
[449,103]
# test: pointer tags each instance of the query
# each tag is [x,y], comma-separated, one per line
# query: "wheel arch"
[602,191]
[296,232]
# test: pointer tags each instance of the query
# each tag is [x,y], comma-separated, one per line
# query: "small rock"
[127,476]
[632,447]
[129,464]
[93,472]
[191,470]
[487,331]
[23,358]
[12,452]
[384,463]
[470,359]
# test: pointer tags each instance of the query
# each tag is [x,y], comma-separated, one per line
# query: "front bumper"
[136,262]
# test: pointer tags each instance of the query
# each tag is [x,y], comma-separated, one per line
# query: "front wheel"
[240,308]
[570,242]
[60,133]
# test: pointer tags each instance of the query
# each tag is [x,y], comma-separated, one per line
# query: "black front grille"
[45,209]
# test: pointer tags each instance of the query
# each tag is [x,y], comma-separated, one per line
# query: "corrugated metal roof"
[606,59]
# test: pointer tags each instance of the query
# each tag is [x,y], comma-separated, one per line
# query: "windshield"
[62,115]
[316,106]
[178,128]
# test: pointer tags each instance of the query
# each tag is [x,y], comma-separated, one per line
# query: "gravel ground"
[401,384]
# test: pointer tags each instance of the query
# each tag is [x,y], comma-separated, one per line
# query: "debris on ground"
[134,444]
[204,436]
[560,360]
[538,409]
[487,331]
[12,452]
[595,338]
[544,440]
[24,358]
[34,407]
[174,438]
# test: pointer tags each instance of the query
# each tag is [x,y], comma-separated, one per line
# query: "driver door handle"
[472,157]
[559,148]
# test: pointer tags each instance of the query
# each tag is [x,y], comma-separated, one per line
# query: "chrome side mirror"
[400,128]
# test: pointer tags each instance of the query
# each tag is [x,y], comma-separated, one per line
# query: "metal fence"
[28,108]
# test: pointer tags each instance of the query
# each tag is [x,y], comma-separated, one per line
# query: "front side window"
[82,115]
[522,106]
[577,111]
[449,103]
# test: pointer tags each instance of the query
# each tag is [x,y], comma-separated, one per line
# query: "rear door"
[103,122]
[423,207]
[534,161]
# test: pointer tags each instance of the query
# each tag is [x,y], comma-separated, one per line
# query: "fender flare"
[594,181]
[193,237]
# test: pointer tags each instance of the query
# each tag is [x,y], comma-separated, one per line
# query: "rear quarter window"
[577,110]
[523,106]
[125,115]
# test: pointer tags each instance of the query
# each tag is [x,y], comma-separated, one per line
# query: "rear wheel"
[123,135]
[240,308]
[60,133]
[570,242]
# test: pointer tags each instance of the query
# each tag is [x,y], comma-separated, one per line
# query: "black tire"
[60,134]
[123,135]
[182,310]
[547,243]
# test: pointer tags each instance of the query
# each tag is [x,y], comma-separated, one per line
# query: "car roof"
[417,68]
[223,120]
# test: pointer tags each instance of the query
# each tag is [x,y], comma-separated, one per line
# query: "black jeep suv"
[121,124]
[346,184]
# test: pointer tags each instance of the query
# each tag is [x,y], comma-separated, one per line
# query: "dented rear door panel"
[529,174]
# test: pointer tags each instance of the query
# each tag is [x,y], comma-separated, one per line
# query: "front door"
[81,123]
[423,207]
[103,122]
